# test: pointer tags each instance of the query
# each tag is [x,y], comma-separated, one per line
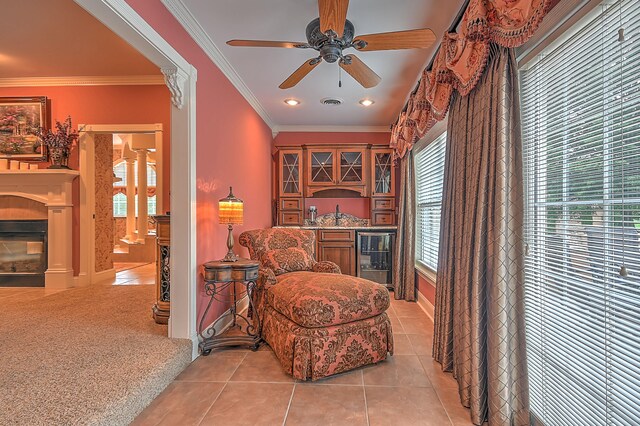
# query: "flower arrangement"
[59,142]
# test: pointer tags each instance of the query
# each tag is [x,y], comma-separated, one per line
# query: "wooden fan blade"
[360,72]
[267,43]
[410,39]
[300,73]
[333,14]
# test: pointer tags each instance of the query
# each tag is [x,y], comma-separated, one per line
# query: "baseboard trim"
[425,305]
[81,280]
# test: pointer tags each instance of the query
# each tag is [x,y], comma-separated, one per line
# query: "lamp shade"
[230,209]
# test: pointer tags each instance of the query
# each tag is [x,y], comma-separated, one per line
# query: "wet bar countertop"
[357,228]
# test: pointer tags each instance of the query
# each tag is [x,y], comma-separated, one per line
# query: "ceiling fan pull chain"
[339,77]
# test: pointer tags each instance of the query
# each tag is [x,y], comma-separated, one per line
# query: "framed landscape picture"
[19,119]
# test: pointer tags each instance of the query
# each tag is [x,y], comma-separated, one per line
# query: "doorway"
[104,150]
[180,77]
[134,163]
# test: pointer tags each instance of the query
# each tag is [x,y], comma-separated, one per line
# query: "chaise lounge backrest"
[281,250]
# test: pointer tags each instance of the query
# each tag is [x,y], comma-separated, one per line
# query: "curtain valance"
[461,60]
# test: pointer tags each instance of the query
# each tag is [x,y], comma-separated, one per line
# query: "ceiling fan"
[332,33]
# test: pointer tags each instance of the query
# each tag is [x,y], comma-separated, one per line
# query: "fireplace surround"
[53,188]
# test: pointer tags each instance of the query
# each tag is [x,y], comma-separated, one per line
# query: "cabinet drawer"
[336,235]
[291,218]
[382,218]
[383,204]
[290,204]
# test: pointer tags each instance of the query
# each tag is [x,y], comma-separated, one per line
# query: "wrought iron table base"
[212,338]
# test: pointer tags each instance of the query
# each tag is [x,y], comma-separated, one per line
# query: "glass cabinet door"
[382,173]
[321,170]
[351,167]
[290,183]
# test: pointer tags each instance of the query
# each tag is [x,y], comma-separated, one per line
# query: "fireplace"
[23,253]
[53,189]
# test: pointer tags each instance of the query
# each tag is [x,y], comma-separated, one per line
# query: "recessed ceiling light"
[366,102]
[292,102]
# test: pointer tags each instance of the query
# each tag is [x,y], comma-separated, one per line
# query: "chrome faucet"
[338,214]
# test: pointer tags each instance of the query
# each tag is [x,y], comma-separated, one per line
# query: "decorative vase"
[59,159]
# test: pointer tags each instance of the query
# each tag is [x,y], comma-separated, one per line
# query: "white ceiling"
[263,69]
[57,38]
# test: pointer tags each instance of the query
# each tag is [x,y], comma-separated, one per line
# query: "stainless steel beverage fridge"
[375,256]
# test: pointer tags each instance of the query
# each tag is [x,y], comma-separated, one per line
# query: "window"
[581,145]
[120,205]
[429,176]
[120,191]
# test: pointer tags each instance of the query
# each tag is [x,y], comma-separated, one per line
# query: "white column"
[143,216]
[59,273]
[131,200]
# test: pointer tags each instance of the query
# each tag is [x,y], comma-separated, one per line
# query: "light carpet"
[90,356]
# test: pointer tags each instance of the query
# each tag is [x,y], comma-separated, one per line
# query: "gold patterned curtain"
[461,61]
[404,259]
[479,310]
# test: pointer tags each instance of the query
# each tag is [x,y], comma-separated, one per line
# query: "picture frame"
[19,118]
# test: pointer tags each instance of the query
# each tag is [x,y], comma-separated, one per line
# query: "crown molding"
[108,80]
[325,129]
[180,12]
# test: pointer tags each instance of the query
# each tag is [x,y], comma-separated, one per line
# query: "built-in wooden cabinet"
[290,172]
[383,185]
[338,246]
[352,166]
[317,170]
[321,167]
[290,189]
[383,175]
[331,167]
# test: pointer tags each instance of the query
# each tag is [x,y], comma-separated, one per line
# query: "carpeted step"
[88,355]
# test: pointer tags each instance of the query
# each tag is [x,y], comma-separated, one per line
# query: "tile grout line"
[366,407]
[238,366]
[437,393]
[212,402]
[286,413]
[221,390]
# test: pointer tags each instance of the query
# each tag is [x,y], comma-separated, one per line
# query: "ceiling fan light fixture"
[332,33]
[366,102]
[292,102]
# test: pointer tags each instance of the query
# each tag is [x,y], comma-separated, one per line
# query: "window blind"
[429,176]
[581,147]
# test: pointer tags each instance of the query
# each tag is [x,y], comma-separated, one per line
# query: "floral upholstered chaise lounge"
[317,321]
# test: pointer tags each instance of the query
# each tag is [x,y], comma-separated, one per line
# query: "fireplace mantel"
[53,188]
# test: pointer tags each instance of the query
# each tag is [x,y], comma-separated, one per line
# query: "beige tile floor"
[240,387]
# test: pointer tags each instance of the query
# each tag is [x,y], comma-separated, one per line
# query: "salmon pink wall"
[105,105]
[359,207]
[233,147]
[427,287]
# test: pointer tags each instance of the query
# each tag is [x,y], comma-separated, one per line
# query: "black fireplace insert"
[23,253]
